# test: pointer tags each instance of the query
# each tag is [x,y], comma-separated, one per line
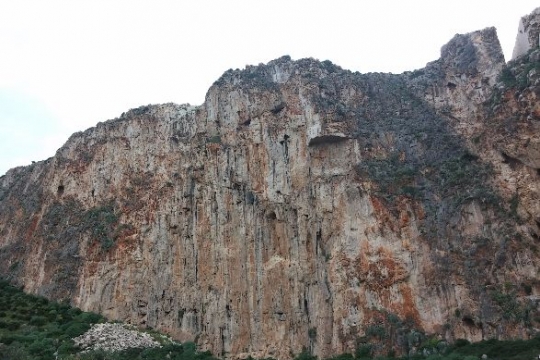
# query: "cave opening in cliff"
[468,321]
[60,190]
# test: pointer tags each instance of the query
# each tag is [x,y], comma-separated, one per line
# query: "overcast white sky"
[66,65]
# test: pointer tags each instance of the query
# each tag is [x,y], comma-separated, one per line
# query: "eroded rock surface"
[301,206]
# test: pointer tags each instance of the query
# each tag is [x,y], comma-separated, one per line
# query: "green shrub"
[344,356]
[42,348]
[14,352]
[89,317]
[38,320]
[363,351]
[507,78]
[509,305]
[13,325]
[76,329]
[305,355]
[377,331]
[461,342]
[502,350]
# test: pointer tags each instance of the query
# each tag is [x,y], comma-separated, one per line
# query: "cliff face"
[528,36]
[301,206]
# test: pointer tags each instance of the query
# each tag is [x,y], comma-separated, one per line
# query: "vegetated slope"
[302,206]
[31,327]
[34,328]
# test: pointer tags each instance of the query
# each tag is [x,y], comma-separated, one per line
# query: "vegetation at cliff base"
[460,350]
[33,328]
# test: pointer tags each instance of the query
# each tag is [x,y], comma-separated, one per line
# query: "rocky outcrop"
[528,36]
[301,206]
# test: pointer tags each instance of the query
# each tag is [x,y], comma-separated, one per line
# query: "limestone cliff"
[301,206]
[528,36]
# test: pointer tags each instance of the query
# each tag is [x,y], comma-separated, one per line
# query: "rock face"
[301,206]
[528,36]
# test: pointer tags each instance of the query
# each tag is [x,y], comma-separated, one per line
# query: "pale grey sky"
[66,65]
